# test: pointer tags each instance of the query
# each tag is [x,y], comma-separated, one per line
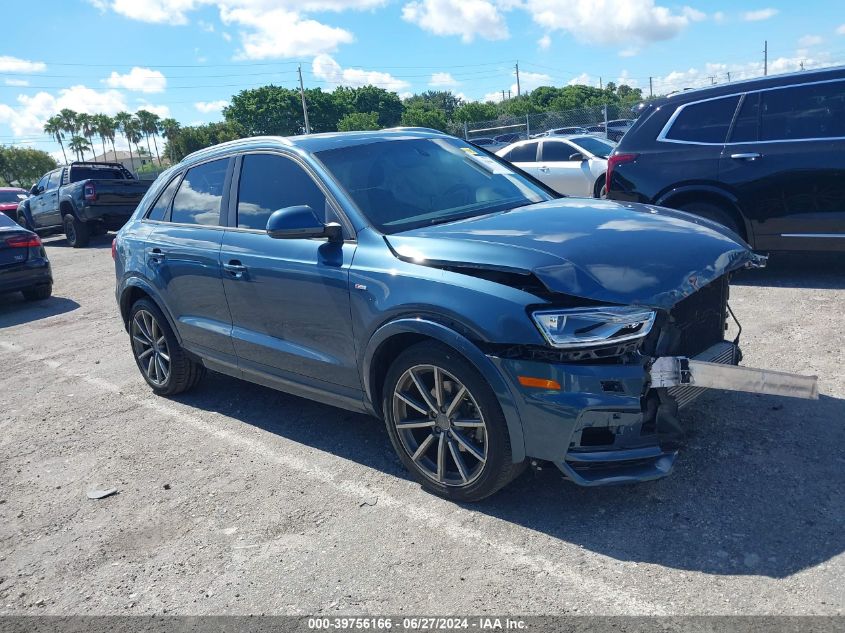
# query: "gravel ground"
[238,499]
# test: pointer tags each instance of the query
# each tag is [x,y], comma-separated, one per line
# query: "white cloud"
[760,14]
[226,36]
[611,21]
[211,106]
[629,52]
[16,82]
[443,80]
[280,33]
[810,40]
[10,64]
[694,15]
[544,42]
[327,69]
[155,11]
[32,111]
[138,80]
[162,110]
[528,81]
[581,80]
[467,18]
[841,30]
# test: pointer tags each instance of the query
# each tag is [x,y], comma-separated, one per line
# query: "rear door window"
[747,125]
[200,195]
[526,153]
[55,179]
[803,112]
[704,122]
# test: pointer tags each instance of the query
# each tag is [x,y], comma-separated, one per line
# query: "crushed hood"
[627,254]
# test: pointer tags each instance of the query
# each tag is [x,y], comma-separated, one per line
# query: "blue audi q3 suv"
[412,276]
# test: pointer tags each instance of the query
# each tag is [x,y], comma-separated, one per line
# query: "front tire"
[77,233]
[161,360]
[446,425]
[23,221]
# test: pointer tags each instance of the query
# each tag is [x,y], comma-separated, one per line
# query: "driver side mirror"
[34,191]
[577,156]
[300,222]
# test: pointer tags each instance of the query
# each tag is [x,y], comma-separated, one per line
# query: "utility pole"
[729,76]
[503,95]
[802,64]
[712,79]
[600,84]
[304,105]
[518,90]
[765,58]
[650,88]
[509,94]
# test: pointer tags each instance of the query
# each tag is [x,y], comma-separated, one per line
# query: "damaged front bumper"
[618,423]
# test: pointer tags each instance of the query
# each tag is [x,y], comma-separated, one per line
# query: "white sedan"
[573,165]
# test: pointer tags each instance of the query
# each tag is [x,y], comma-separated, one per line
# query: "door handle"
[747,156]
[156,256]
[235,269]
[544,169]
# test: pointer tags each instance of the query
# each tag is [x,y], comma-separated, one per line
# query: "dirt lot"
[238,499]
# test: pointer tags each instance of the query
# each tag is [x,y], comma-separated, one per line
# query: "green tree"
[192,138]
[473,111]
[88,130]
[53,127]
[148,126]
[442,100]
[269,110]
[124,123]
[23,166]
[422,117]
[367,99]
[169,128]
[79,144]
[104,125]
[69,121]
[358,121]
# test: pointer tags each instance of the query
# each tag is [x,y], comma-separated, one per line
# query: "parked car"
[571,165]
[82,199]
[564,131]
[617,128]
[764,157]
[491,145]
[10,198]
[24,265]
[511,137]
[406,274]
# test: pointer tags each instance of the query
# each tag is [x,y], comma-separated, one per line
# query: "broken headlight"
[586,327]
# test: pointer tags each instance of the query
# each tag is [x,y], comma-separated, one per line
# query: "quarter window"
[200,194]
[159,210]
[269,183]
[803,112]
[526,153]
[705,122]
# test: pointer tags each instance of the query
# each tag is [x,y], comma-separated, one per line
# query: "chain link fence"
[577,121]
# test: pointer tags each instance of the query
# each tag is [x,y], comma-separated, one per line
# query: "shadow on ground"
[758,490]
[798,270]
[97,242]
[14,309]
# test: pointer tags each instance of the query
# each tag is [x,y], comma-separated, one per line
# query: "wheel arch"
[66,207]
[135,289]
[678,196]
[394,337]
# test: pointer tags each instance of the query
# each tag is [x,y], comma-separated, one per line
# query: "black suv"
[765,157]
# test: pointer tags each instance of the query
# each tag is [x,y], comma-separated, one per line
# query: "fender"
[69,199]
[714,190]
[463,345]
[142,284]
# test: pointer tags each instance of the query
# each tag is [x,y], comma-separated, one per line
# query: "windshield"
[595,146]
[11,196]
[408,183]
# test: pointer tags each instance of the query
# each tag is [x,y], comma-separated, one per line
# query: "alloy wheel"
[440,425]
[150,347]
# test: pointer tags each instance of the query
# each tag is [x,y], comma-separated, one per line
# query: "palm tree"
[169,128]
[53,127]
[103,125]
[122,120]
[79,144]
[132,131]
[68,120]
[88,129]
[149,127]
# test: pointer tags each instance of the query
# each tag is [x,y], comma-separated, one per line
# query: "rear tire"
[38,293]
[459,448]
[713,212]
[161,360]
[78,233]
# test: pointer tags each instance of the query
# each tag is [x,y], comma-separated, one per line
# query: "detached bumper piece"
[676,372]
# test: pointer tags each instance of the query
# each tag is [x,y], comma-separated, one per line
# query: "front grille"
[698,322]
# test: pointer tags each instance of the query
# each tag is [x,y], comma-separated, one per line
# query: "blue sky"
[185,58]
